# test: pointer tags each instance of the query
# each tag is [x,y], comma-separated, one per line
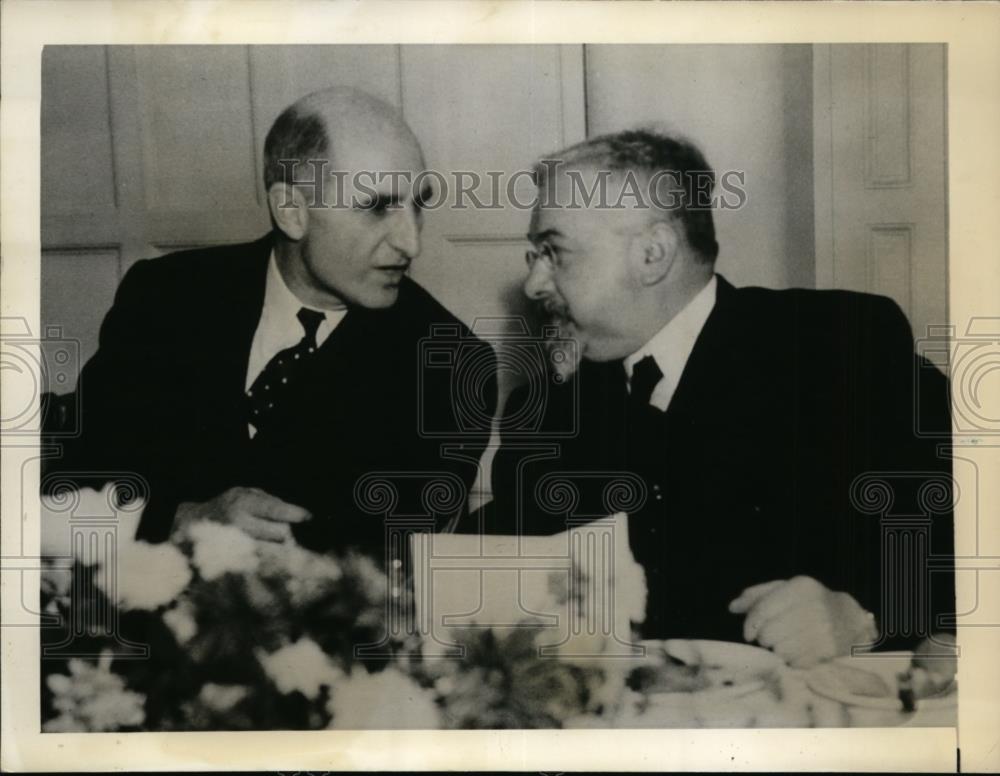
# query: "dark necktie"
[646,375]
[272,385]
[645,443]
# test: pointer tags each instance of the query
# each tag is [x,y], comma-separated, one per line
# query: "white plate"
[734,669]
[726,654]
[744,679]
[827,681]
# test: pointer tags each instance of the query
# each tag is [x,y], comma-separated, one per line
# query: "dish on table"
[682,666]
[714,684]
[872,681]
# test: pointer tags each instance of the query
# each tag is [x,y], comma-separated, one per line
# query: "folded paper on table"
[583,586]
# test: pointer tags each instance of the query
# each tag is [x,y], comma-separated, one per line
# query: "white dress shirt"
[671,346]
[279,328]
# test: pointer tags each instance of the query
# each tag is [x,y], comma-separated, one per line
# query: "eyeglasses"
[546,253]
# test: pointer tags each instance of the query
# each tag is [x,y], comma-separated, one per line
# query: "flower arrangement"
[218,631]
[213,631]
[503,680]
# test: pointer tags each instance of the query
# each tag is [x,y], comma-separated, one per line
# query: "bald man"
[259,384]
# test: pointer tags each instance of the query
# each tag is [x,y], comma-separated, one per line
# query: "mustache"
[553,310]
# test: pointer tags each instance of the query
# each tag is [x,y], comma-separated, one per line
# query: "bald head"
[346,126]
[349,113]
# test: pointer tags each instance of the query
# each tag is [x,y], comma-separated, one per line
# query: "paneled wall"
[482,109]
[749,108]
[881,184]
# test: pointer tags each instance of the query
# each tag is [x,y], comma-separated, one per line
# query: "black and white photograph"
[497,387]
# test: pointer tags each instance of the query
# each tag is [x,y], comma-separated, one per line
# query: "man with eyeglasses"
[751,417]
[257,384]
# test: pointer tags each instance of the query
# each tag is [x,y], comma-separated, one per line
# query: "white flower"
[445,685]
[370,577]
[301,666]
[56,577]
[53,526]
[219,549]
[64,723]
[587,647]
[58,509]
[388,700]
[149,575]
[93,699]
[181,621]
[114,710]
[308,576]
[222,697]
[298,561]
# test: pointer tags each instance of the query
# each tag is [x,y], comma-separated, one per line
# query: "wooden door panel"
[197,132]
[882,198]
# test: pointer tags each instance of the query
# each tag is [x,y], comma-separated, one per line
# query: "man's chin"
[382,298]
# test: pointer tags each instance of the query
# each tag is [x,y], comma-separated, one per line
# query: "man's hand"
[934,665]
[803,621]
[260,514]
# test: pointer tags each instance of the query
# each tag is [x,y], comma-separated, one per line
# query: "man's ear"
[654,252]
[288,209]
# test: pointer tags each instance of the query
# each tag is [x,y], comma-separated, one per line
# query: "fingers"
[800,636]
[783,629]
[752,594]
[800,620]
[265,506]
[797,592]
[939,656]
[805,650]
[256,512]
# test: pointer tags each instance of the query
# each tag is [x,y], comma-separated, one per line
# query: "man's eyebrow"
[386,201]
[381,201]
[537,237]
[423,195]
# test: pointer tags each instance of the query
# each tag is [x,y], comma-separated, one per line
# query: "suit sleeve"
[486,397]
[463,403]
[908,419]
[496,516]
[112,383]
[522,461]
[118,392]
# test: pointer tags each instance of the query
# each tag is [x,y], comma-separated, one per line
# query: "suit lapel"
[235,324]
[704,365]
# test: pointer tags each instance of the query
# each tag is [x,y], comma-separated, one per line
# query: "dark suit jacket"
[788,397]
[163,397]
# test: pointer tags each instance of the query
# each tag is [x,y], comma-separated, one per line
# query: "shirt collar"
[279,301]
[279,327]
[672,345]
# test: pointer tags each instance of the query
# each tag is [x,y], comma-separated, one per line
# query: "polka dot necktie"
[272,385]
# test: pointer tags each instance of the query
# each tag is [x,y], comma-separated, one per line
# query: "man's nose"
[538,284]
[405,232]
